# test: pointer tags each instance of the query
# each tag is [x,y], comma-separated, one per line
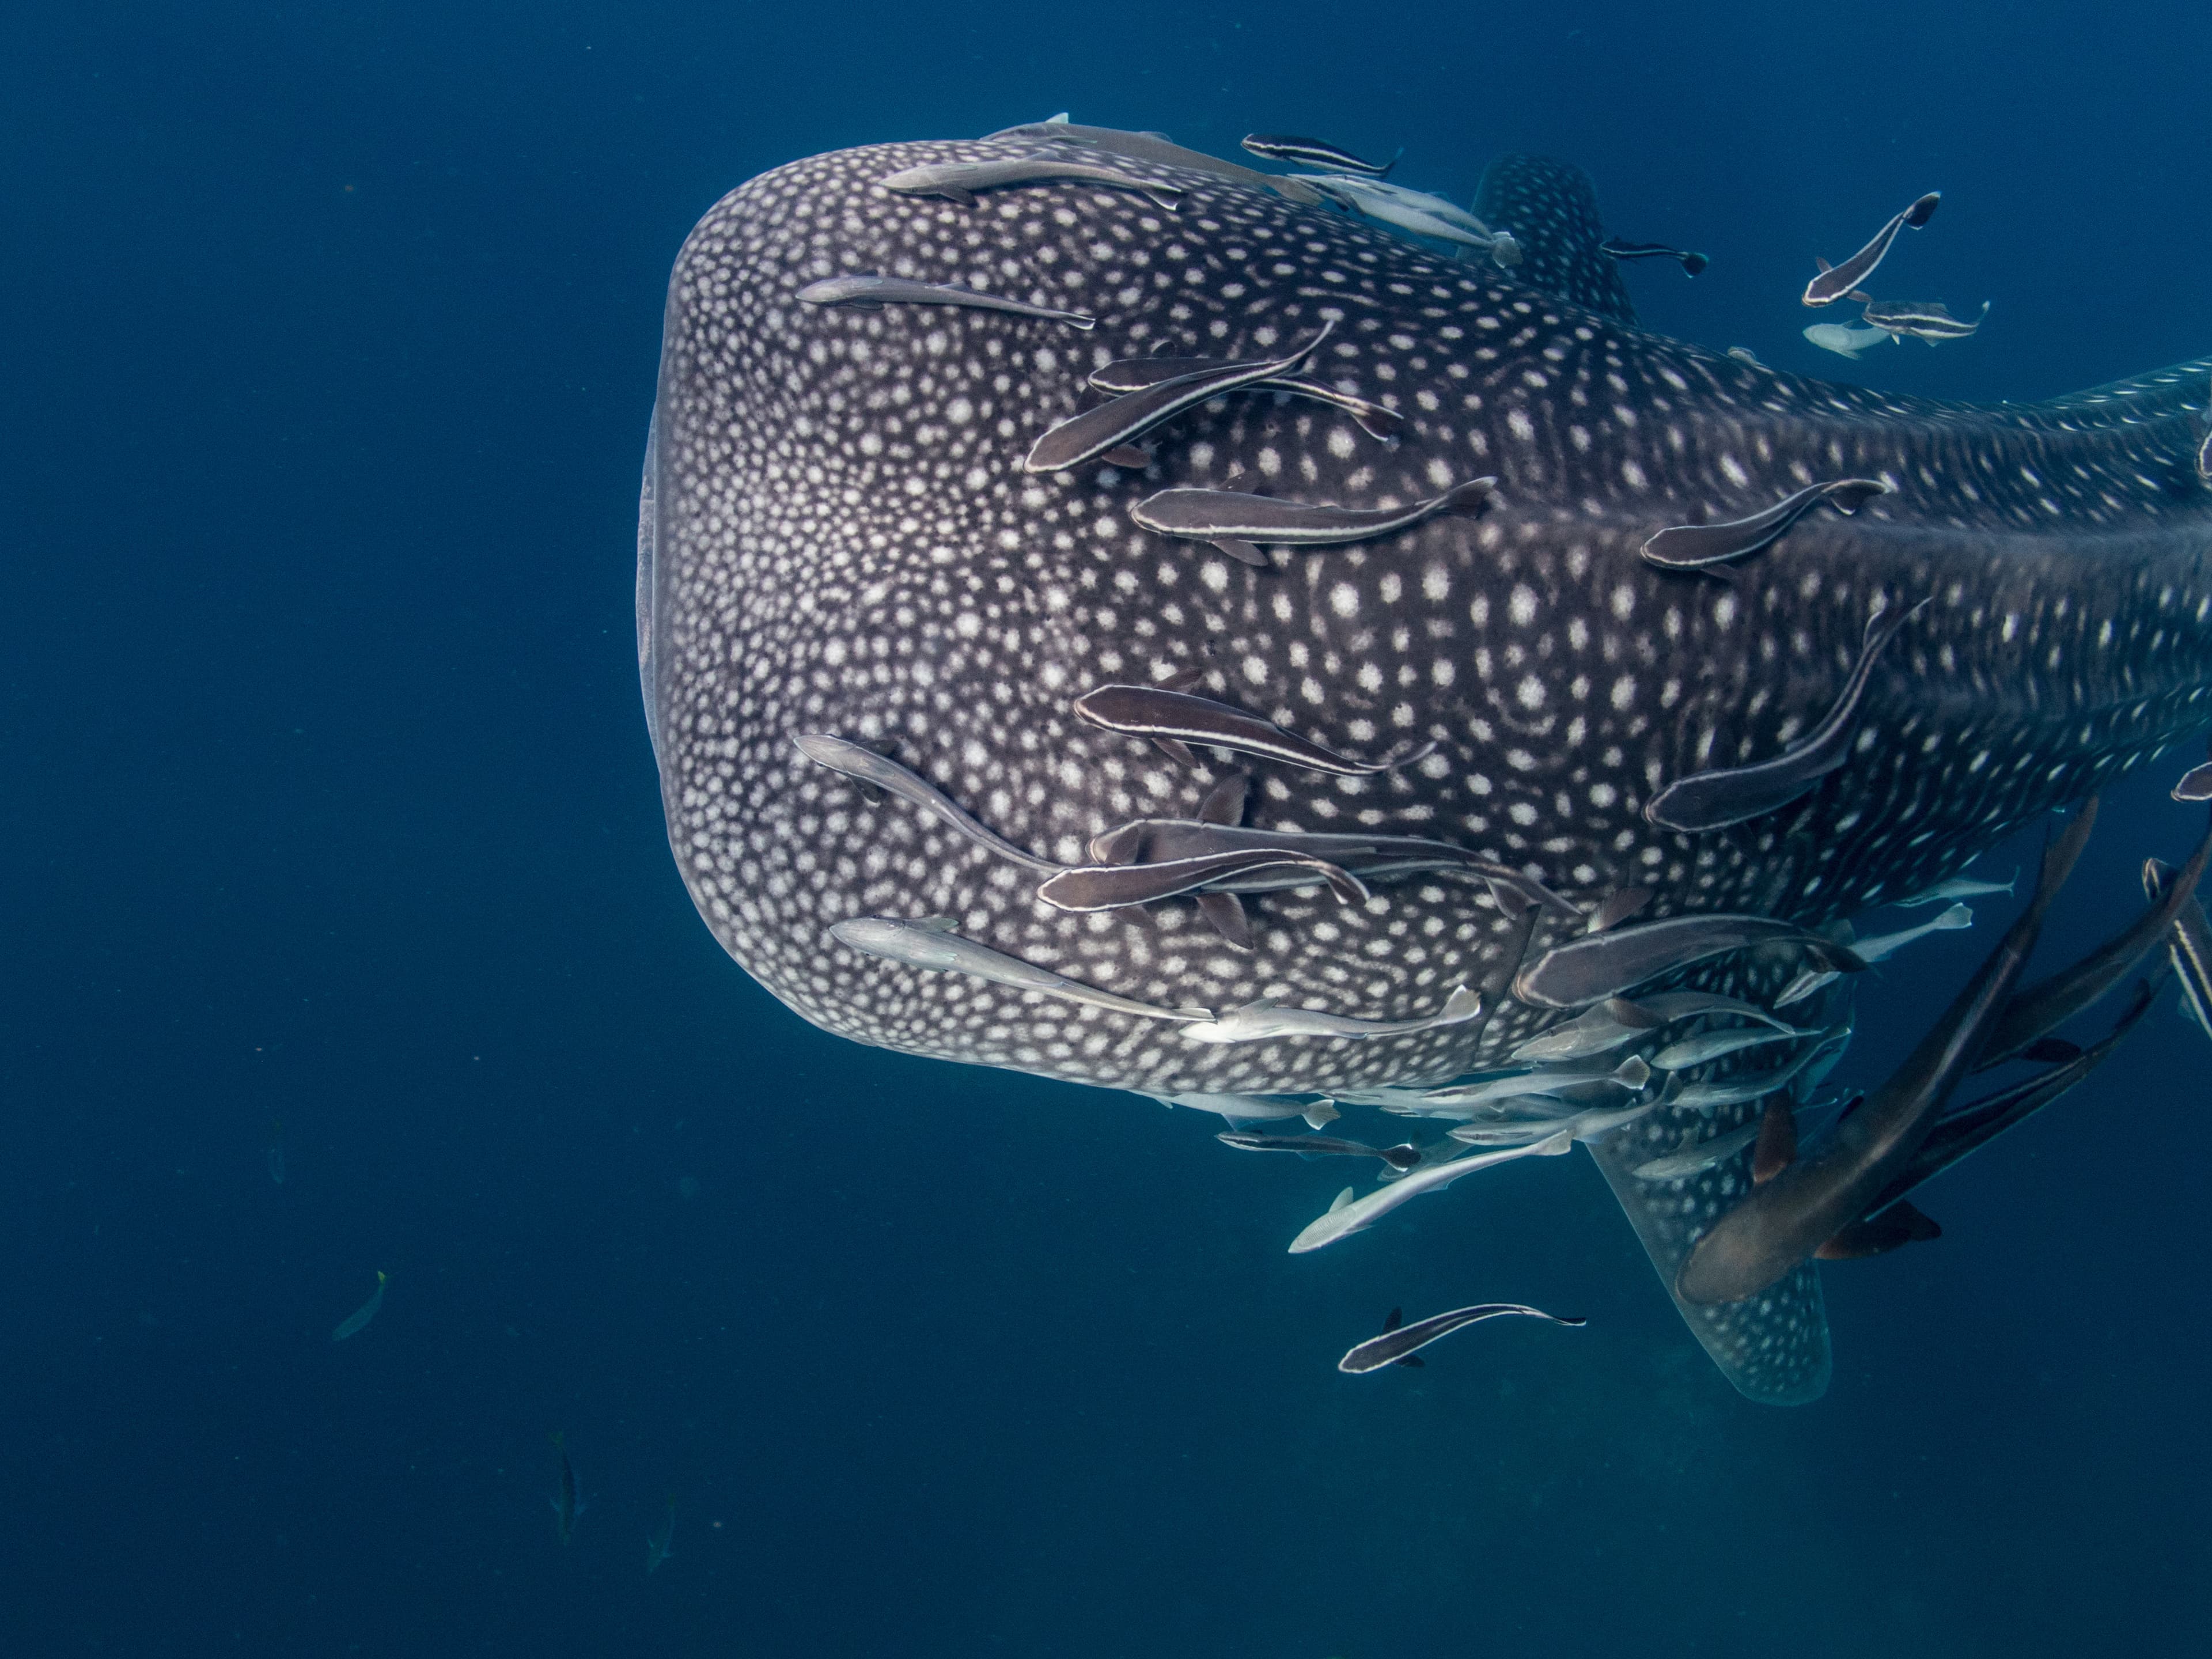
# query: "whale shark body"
[838,536]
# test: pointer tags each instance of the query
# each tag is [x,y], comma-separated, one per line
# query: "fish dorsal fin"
[1512,904]
[1637,1017]
[1182,679]
[1618,908]
[933,924]
[1635,1071]
[1342,1199]
[1225,802]
[1397,1317]
[1318,1113]
[1777,1147]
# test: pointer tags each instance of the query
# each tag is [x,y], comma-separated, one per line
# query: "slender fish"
[1599,965]
[1313,153]
[866,766]
[1712,800]
[1709,1046]
[1126,418]
[959,181]
[1694,546]
[2187,947]
[1233,522]
[1256,1022]
[1836,283]
[1135,374]
[1691,263]
[1396,1345]
[1154,147]
[1958,887]
[1349,1215]
[1844,340]
[1884,945]
[1088,887]
[868,292]
[656,1544]
[1255,1109]
[354,1322]
[931,943]
[1923,319]
[1698,1156]
[1403,1156]
[1599,1030]
[1152,711]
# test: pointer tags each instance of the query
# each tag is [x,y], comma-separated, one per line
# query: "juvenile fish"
[1710,1097]
[1089,887]
[1923,319]
[1087,436]
[930,943]
[1882,946]
[1698,1156]
[1395,1346]
[1255,1109]
[1313,153]
[1836,283]
[1843,339]
[1812,979]
[1135,374]
[1591,1123]
[1694,546]
[356,1322]
[1556,1080]
[1152,711]
[1158,147]
[1256,1022]
[1600,965]
[1349,1215]
[1691,263]
[1712,800]
[1233,522]
[1398,1158]
[1377,200]
[865,765]
[1709,1046]
[959,181]
[1958,887]
[870,292]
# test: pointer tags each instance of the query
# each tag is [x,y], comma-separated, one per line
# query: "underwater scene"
[1215,830]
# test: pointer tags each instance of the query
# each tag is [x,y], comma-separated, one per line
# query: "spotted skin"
[836,537]
[1551,208]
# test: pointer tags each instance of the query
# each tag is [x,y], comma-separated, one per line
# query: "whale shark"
[850,534]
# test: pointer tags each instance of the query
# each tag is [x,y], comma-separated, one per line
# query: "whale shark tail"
[1551,208]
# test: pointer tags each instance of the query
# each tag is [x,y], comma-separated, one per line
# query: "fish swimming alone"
[357,1322]
[1397,1344]
[1691,264]
[1923,319]
[838,536]
[1841,282]
[567,1499]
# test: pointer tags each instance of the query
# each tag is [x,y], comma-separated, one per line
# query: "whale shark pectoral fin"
[1774,1347]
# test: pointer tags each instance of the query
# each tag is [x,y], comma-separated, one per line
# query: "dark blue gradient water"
[330,340]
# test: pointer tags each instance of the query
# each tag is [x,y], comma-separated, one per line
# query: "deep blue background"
[329,342]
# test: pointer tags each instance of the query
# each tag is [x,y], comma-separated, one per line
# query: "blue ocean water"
[334,848]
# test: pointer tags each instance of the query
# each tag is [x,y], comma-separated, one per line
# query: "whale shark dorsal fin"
[1342,1199]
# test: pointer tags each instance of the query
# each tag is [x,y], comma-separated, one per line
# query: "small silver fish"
[869,292]
[1670,1006]
[959,181]
[1350,1215]
[1958,887]
[1836,283]
[1256,1022]
[1757,1085]
[1394,1345]
[1709,1046]
[1255,1109]
[1698,1156]
[1234,522]
[1398,1158]
[2189,946]
[1844,340]
[1598,1031]
[1691,264]
[1599,965]
[1591,1123]
[1812,979]
[356,1322]
[930,943]
[1883,945]
[1551,1080]
[865,766]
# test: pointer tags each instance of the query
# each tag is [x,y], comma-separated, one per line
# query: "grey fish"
[1691,264]
[1350,1215]
[1589,1123]
[1597,1031]
[1551,1080]
[1598,965]
[1757,1085]
[1670,1006]
[1135,374]
[1880,947]
[1255,1109]
[869,292]
[1699,1155]
[1709,1046]
[2189,946]
[1395,1346]
[1843,339]
[1126,418]
[959,181]
[931,943]
[356,1322]
[866,766]
[2045,1005]
[1257,1022]
[1958,887]
[1233,522]
[1313,153]
[569,1502]
[1398,1158]
[1711,800]
[1836,283]
[1812,979]
[1923,319]
[1698,546]
[1781,1223]
[1374,194]
[1159,147]
[1151,711]
[1087,887]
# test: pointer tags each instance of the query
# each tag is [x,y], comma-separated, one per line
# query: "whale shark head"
[839,537]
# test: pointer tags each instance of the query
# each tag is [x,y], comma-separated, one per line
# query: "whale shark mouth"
[1354,783]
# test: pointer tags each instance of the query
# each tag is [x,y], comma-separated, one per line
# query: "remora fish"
[1882,946]
[1958,887]
[870,292]
[1087,436]
[1313,153]
[1599,965]
[930,943]
[1152,711]
[1599,1030]
[866,766]
[1710,1046]
[1712,800]
[1699,1155]
[834,541]
[1114,886]
[657,1544]
[959,181]
[1255,1109]
[1691,263]
[1256,1022]
[1351,1215]
[1234,522]
[1159,147]
[1843,339]
[1923,319]
[1395,1346]
[1836,283]
[569,1502]
[1135,374]
[1696,546]
[2187,947]
[1398,1158]
[354,1322]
